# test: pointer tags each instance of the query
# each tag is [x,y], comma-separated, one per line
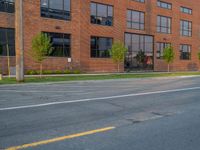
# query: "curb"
[106,80]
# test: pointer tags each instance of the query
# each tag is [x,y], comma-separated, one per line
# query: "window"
[7,42]
[135,20]
[186,10]
[100,47]
[163,24]
[7,6]
[137,42]
[186,28]
[61,44]
[185,52]
[141,1]
[140,51]
[160,49]
[101,14]
[57,9]
[164,4]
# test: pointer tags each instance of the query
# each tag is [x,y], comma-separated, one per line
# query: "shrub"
[67,72]
[47,72]
[32,72]
[76,71]
[58,72]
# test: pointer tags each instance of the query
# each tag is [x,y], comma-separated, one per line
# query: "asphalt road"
[132,114]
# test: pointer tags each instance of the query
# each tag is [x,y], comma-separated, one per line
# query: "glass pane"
[67,5]
[101,10]
[58,4]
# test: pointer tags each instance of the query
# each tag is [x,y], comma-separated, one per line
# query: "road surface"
[128,114]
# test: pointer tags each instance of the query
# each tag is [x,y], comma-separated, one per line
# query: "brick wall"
[81,30]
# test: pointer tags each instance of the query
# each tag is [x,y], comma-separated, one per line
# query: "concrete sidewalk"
[99,74]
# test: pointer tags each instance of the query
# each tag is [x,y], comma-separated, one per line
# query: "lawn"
[95,77]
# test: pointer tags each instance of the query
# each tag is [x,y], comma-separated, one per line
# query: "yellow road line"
[59,139]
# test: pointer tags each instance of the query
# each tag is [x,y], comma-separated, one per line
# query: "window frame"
[98,57]
[63,10]
[183,30]
[63,35]
[161,49]
[160,4]
[190,11]
[96,13]
[160,27]
[189,52]
[6,42]
[7,3]
[136,22]
[139,1]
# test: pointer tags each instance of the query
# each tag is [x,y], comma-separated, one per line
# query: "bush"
[47,72]
[67,72]
[32,72]
[58,72]
[76,71]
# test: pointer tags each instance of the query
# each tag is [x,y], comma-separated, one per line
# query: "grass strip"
[94,77]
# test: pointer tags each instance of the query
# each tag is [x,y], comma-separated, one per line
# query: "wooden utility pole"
[19,40]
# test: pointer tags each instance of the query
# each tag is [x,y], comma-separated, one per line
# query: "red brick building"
[82,31]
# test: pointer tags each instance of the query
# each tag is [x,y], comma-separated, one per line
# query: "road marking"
[100,98]
[60,139]
[36,91]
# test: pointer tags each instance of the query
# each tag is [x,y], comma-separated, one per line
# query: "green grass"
[95,77]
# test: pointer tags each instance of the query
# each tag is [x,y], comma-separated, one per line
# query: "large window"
[100,47]
[185,52]
[7,6]
[7,42]
[140,51]
[160,49]
[164,4]
[135,19]
[163,24]
[57,9]
[186,28]
[101,14]
[61,44]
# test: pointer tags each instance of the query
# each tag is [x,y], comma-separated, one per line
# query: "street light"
[19,40]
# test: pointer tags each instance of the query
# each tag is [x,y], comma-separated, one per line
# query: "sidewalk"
[100,74]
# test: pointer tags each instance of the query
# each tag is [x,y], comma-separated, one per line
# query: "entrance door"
[140,52]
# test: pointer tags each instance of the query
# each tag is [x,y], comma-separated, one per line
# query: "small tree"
[118,52]
[41,47]
[168,55]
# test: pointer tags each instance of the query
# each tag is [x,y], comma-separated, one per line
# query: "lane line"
[53,140]
[32,91]
[99,98]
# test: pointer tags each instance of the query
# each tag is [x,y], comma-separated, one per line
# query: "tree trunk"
[8,53]
[168,68]
[118,69]
[40,70]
